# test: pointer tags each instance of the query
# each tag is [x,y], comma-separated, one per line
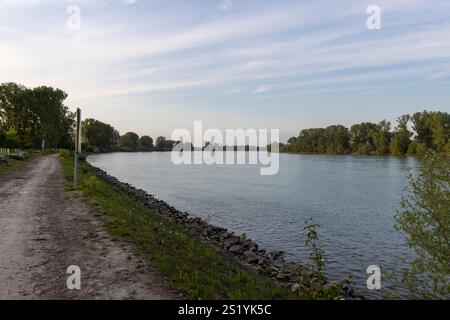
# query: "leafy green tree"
[360,139]
[401,138]
[129,141]
[160,143]
[99,136]
[382,137]
[55,119]
[35,115]
[417,148]
[440,128]
[12,139]
[146,143]
[433,129]
[16,112]
[292,140]
[425,220]
[164,145]
[337,139]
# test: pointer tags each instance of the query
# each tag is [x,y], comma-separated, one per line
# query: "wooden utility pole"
[77,147]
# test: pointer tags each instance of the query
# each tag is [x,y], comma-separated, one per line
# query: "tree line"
[429,131]
[102,137]
[29,116]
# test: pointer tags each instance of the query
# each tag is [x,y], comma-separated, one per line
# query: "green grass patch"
[11,165]
[198,270]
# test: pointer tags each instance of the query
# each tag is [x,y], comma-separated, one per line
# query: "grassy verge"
[197,269]
[11,166]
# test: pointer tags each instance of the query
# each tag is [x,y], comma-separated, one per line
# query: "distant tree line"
[28,116]
[102,137]
[430,131]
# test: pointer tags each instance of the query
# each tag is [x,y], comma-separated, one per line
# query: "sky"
[154,66]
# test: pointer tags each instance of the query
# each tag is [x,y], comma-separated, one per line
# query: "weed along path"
[45,230]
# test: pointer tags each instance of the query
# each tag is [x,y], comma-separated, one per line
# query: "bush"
[425,220]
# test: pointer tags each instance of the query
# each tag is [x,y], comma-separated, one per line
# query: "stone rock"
[265,262]
[231,241]
[273,255]
[225,235]
[249,244]
[251,257]
[236,249]
[283,277]
[289,268]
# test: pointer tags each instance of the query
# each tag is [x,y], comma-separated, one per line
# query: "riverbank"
[211,253]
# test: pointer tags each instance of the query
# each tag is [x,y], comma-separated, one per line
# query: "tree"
[401,138]
[440,129]
[2,136]
[164,145]
[433,129]
[129,141]
[292,140]
[360,139]
[146,143]
[99,136]
[381,137]
[425,220]
[35,115]
[55,119]
[12,139]
[337,139]
[17,114]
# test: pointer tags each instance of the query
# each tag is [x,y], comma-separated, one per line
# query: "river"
[353,198]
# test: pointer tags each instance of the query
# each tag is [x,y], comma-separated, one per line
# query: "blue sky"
[157,65]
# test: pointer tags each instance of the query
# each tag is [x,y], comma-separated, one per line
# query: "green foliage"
[12,139]
[401,137]
[316,253]
[98,136]
[146,143]
[162,144]
[432,128]
[432,133]
[381,137]
[34,115]
[333,139]
[313,285]
[102,137]
[129,141]
[361,139]
[11,165]
[425,220]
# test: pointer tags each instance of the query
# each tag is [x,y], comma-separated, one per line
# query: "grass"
[11,165]
[198,270]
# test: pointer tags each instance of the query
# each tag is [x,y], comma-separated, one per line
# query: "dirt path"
[44,230]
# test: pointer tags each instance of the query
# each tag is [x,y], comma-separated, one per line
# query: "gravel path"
[44,230]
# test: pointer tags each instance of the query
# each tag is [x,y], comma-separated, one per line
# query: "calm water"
[353,198]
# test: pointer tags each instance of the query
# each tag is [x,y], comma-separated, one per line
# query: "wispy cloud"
[261,89]
[226,4]
[282,47]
